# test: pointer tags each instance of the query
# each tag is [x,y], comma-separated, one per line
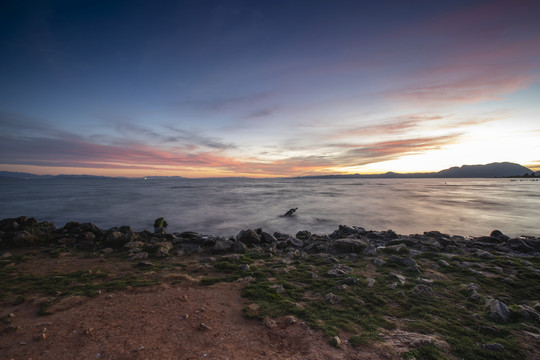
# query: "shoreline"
[351,294]
[27,231]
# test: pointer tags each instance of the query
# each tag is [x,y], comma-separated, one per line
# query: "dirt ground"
[181,321]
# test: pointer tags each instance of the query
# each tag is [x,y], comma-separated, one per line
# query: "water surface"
[468,207]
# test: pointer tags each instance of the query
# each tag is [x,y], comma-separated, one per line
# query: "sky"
[202,88]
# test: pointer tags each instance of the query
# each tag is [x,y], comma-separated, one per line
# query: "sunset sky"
[267,88]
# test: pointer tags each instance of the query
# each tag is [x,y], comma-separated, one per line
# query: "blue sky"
[267,88]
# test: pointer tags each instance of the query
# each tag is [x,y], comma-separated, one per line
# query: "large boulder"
[248,237]
[497,310]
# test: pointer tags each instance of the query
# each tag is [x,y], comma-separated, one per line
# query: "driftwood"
[290,212]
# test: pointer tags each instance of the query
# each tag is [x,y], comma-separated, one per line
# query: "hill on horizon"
[498,169]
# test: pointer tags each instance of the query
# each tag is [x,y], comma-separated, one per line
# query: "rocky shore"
[425,296]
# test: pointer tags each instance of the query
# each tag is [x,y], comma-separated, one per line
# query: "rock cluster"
[23,231]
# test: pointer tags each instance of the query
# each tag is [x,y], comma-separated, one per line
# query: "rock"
[333,299]
[238,247]
[422,290]
[223,245]
[278,288]
[269,323]
[499,235]
[370,250]
[160,231]
[142,255]
[425,281]
[295,242]
[162,252]
[370,282]
[378,262]
[204,327]
[6,255]
[339,270]
[410,264]
[488,330]
[107,251]
[493,347]
[350,245]
[396,248]
[267,238]
[402,279]
[485,254]
[164,244]
[346,231]
[336,341]
[248,237]
[134,245]
[290,320]
[303,235]
[519,245]
[443,263]
[528,313]
[497,310]
[351,281]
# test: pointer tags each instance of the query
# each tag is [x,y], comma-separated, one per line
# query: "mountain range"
[499,169]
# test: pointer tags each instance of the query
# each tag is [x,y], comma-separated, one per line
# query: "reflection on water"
[224,206]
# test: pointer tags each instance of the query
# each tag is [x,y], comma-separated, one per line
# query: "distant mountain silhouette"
[488,170]
[503,169]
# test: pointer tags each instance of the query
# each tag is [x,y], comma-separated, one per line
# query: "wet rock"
[499,235]
[248,237]
[497,310]
[267,238]
[295,242]
[303,235]
[238,247]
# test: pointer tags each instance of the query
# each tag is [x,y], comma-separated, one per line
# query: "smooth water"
[468,207]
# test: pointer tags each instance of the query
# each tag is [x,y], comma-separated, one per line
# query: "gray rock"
[351,280]
[378,262]
[402,279]
[238,247]
[160,231]
[370,250]
[422,290]
[370,282]
[410,264]
[162,252]
[485,254]
[303,235]
[396,248]
[164,244]
[295,242]
[333,299]
[493,347]
[528,313]
[223,245]
[142,255]
[443,263]
[134,245]
[339,270]
[350,245]
[248,237]
[497,310]
[519,245]
[267,238]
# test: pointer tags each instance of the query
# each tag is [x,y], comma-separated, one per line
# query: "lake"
[468,207]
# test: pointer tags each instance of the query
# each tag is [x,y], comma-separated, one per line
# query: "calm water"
[217,206]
